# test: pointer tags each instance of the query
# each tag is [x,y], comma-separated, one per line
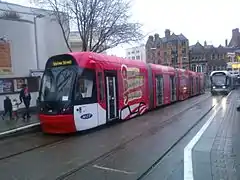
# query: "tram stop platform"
[13,127]
[216,155]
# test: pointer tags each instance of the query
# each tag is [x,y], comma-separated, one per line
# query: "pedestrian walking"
[7,107]
[25,97]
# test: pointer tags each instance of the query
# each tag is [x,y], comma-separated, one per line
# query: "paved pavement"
[121,151]
[8,126]
[217,153]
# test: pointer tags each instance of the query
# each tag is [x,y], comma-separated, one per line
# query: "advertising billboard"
[5,58]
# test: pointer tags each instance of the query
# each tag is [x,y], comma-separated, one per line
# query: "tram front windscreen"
[57,84]
[218,79]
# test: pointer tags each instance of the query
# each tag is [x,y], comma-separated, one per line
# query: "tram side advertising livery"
[222,82]
[84,90]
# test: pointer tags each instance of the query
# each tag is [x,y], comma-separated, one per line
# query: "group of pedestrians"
[11,108]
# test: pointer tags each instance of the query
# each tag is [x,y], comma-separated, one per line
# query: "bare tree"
[101,24]
[60,13]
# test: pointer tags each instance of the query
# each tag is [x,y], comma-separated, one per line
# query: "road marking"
[19,129]
[188,169]
[113,170]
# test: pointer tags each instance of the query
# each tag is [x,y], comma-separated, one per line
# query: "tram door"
[159,90]
[111,87]
[197,85]
[173,88]
[191,85]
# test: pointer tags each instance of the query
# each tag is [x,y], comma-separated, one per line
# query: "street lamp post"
[36,39]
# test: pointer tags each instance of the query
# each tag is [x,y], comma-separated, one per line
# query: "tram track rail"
[121,146]
[34,147]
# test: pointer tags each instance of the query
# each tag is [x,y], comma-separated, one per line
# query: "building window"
[133,57]
[165,57]
[213,56]
[129,53]
[137,57]
[209,68]
[137,51]
[203,68]
[199,68]
[193,67]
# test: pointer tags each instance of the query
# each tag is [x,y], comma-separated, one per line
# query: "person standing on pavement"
[7,107]
[25,97]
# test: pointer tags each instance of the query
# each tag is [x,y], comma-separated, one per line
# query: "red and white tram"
[84,90]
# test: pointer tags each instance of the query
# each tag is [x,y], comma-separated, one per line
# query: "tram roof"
[87,56]
[225,72]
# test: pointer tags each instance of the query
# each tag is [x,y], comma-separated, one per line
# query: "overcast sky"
[198,20]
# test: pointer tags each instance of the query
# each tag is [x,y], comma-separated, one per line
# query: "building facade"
[206,58]
[29,36]
[171,50]
[33,35]
[136,53]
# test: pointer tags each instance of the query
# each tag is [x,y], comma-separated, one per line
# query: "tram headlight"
[224,87]
[213,87]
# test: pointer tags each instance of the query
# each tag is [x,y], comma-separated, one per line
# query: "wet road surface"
[135,158]
[23,143]
[123,151]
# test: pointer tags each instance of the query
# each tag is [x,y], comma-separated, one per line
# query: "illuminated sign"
[238,58]
[62,63]
[236,66]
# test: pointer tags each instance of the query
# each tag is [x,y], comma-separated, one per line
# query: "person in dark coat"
[25,97]
[7,107]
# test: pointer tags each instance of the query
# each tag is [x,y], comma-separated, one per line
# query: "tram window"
[101,86]
[86,87]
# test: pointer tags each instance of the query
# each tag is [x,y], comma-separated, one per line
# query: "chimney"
[150,38]
[205,43]
[156,36]
[235,32]
[167,33]
[226,42]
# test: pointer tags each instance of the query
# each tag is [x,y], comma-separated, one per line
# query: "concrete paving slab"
[213,153]
[11,127]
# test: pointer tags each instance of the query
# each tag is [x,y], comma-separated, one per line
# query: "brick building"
[206,58]
[171,50]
